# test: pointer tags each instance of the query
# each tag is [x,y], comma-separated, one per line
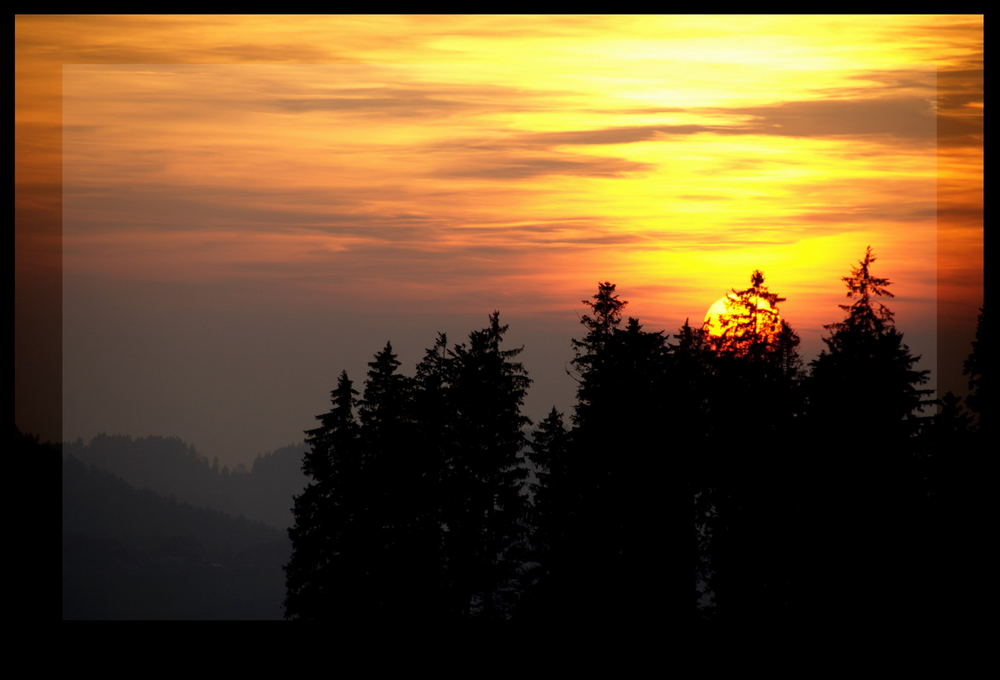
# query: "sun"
[732,315]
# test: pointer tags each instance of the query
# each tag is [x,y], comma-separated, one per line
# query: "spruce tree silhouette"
[864,401]
[394,492]
[650,484]
[751,326]
[485,512]
[867,373]
[432,447]
[629,550]
[325,578]
[588,568]
[548,516]
[749,461]
[548,453]
[691,393]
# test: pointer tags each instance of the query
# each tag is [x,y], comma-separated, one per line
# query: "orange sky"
[429,169]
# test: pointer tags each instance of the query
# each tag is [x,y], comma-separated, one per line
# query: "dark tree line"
[701,481]
[417,509]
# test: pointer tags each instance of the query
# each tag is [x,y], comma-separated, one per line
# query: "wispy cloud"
[524,167]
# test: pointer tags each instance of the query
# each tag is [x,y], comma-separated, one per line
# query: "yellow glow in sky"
[457,164]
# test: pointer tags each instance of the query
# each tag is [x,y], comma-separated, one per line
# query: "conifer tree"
[753,323]
[392,485]
[630,538]
[589,568]
[864,402]
[548,454]
[432,448]
[866,377]
[591,361]
[743,492]
[691,392]
[325,580]
[549,514]
[486,512]
[607,315]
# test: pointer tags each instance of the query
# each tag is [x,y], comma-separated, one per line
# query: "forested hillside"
[171,468]
[133,554]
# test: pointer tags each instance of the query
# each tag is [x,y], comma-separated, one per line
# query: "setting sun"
[725,313]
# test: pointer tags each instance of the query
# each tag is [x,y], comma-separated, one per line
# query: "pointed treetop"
[384,361]
[745,320]
[337,426]
[758,291]
[865,313]
[862,284]
[607,315]
[607,306]
[554,415]
[496,331]
[343,394]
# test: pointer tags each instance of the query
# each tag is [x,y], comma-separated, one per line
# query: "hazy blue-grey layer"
[133,554]
[169,467]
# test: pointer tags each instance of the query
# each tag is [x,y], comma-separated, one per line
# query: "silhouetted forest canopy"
[702,481]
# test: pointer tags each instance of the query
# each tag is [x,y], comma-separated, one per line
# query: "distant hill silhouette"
[172,468]
[132,554]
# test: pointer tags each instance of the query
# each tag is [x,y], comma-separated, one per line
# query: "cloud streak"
[527,167]
[905,117]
